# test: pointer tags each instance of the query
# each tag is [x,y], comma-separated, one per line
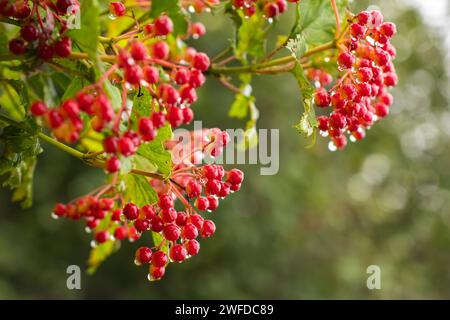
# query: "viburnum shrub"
[107,82]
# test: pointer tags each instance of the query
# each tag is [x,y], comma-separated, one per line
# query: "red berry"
[235,176]
[17,46]
[188,115]
[168,94]
[322,98]
[60,209]
[45,51]
[224,190]
[381,110]
[143,255]
[365,74]
[346,60]
[188,94]
[363,17]
[29,32]
[282,5]
[156,224]
[271,9]
[146,129]
[197,30]
[55,118]
[160,50]
[189,232]
[208,228]
[85,102]
[165,202]
[147,212]
[163,26]
[197,78]
[110,144]
[178,253]
[71,108]
[212,187]
[181,219]
[126,146]
[158,119]
[171,232]
[390,79]
[151,74]
[142,225]
[175,116]
[38,108]
[209,171]
[64,6]
[120,233]
[323,123]
[133,74]
[181,76]
[192,247]
[357,30]
[112,164]
[157,273]
[196,220]
[337,120]
[63,47]
[202,203]
[102,236]
[169,215]
[117,8]
[193,189]
[138,51]
[201,61]
[159,259]
[131,211]
[213,203]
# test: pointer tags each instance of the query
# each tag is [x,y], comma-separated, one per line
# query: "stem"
[338,20]
[255,68]
[82,55]
[61,146]
[10,21]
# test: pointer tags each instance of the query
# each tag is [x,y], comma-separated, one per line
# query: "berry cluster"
[270,8]
[37,33]
[359,97]
[197,188]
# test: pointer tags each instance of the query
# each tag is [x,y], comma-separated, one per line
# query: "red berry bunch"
[196,188]
[360,96]
[37,33]
[270,8]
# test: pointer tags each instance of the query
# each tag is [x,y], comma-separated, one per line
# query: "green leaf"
[315,20]
[308,122]
[19,147]
[240,106]
[87,36]
[113,94]
[138,190]
[297,46]
[173,10]
[251,37]
[73,88]
[99,254]
[141,105]
[156,153]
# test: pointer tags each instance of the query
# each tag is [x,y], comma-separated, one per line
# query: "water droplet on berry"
[207,10]
[195,36]
[270,20]
[352,138]
[93,244]
[331,146]
[87,229]
[323,133]
[136,262]
[54,216]
[112,16]
[191,9]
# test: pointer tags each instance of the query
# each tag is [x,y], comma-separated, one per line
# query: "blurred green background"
[308,232]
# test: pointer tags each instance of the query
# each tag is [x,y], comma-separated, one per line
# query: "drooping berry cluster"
[196,188]
[37,33]
[359,97]
[270,8]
